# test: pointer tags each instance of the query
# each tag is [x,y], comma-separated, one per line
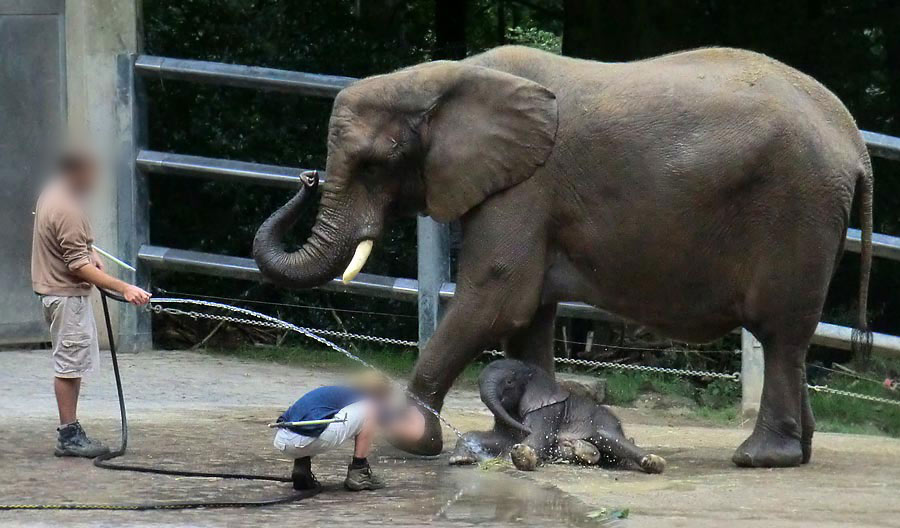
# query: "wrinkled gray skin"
[535,419]
[692,193]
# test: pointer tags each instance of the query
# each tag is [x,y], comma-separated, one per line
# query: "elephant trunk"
[491,384]
[324,253]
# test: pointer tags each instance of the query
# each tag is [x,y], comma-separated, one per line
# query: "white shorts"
[298,446]
[73,333]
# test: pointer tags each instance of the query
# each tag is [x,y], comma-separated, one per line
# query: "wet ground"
[193,411]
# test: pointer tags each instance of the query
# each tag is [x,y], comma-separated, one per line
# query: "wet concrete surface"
[192,411]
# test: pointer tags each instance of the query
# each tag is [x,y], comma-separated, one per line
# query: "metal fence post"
[433,249]
[752,373]
[133,201]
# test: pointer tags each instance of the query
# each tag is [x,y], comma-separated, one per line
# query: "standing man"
[64,267]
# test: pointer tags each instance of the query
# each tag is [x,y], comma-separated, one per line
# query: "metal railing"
[432,253]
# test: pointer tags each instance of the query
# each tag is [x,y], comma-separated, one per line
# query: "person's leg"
[67,390]
[73,333]
[363,439]
[301,449]
[361,419]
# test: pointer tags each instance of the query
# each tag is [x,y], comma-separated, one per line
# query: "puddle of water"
[486,497]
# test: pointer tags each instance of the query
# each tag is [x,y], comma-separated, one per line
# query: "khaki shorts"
[73,333]
[298,446]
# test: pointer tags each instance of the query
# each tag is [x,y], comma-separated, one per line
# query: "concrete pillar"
[752,374]
[97,32]
[433,248]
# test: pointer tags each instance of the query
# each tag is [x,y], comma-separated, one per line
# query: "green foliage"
[624,388]
[535,38]
[849,415]
[720,394]
[495,464]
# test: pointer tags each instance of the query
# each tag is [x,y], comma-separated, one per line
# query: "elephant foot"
[580,451]
[769,449]
[653,464]
[806,447]
[462,455]
[524,457]
[431,443]
[463,459]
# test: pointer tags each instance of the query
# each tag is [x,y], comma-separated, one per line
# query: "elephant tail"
[861,341]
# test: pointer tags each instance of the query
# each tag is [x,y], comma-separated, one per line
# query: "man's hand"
[135,295]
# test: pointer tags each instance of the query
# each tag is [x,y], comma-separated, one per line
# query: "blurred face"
[80,170]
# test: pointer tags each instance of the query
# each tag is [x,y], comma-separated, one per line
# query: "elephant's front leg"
[497,294]
[579,451]
[619,450]
[478,445]
[467,329]
[541,444]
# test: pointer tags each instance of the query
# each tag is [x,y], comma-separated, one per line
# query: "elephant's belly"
[683,304]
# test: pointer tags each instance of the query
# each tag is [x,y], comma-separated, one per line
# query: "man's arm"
[82,260]
[133,294]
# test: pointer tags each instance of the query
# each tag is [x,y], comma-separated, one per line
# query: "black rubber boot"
[303,477]
[73,441]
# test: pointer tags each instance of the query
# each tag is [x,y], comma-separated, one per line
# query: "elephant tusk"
[358,261]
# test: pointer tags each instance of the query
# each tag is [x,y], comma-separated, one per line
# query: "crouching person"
[364,407]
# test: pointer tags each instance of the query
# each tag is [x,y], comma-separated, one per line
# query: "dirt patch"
[194,411]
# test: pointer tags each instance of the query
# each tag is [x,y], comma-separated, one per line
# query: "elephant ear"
[540,392]
[486,130]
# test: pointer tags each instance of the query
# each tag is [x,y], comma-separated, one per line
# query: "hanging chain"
[273,322]
[838,392]
[639,368]
[268,324]
[316,333]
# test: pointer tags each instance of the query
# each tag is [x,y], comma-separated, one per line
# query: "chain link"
[316,333]
[273,322]
[270,324]
[639,368]
[839,392]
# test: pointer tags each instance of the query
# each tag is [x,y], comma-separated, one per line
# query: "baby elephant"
[535,419]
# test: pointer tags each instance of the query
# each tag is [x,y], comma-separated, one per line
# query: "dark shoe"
[302,475]
[73,441]
[359,479]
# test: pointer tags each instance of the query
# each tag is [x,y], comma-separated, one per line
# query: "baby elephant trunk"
[491,385]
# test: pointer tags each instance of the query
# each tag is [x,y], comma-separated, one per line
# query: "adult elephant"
[692,193]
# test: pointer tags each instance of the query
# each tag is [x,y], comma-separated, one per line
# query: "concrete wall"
[96,32]
[32,115]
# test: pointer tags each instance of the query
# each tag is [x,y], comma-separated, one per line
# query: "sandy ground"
[194,411]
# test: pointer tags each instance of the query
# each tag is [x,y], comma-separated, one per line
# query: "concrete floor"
[195,411]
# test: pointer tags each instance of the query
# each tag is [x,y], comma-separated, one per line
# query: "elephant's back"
[661,90]
[738,73]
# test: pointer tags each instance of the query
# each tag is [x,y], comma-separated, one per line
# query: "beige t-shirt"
[62,242]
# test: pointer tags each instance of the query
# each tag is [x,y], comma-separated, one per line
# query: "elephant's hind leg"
[785,422]
[533,344]
[807,422]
